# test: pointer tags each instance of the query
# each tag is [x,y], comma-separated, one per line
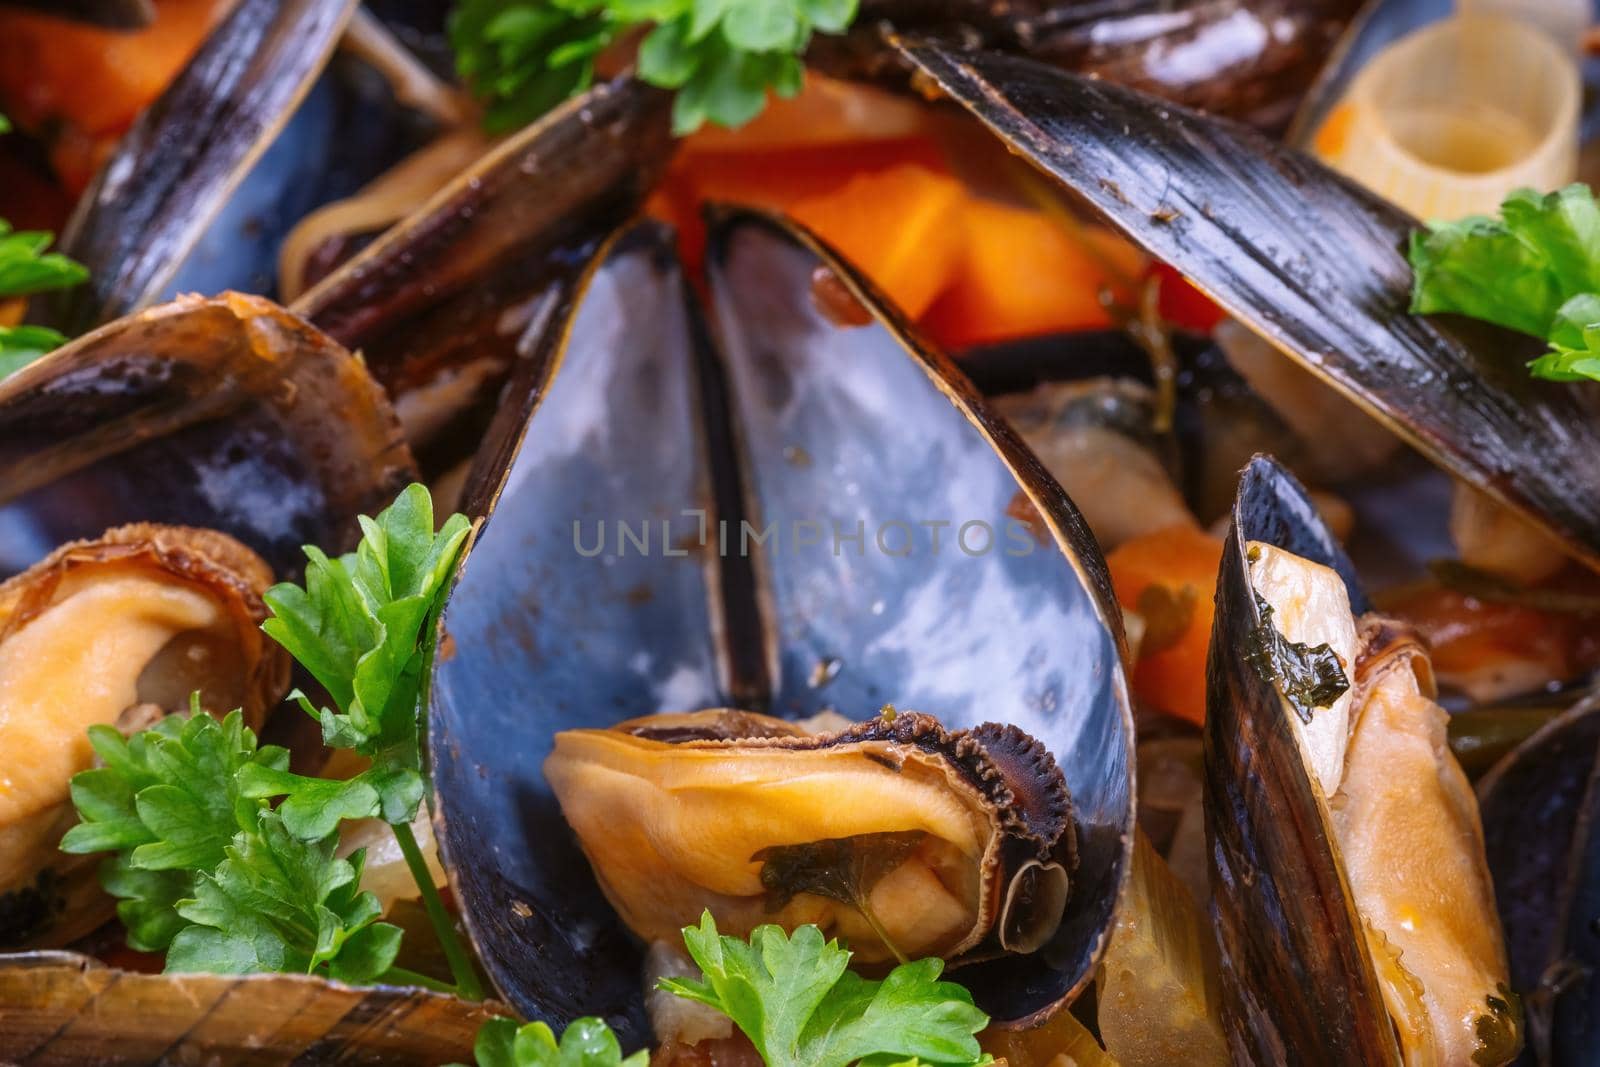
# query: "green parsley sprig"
[1535,269]
[363,626]
[588,1042]
[26,269]
[798,1002]
[721,57]
[186,804]
[209,875]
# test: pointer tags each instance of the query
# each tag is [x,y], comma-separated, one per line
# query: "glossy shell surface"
[1313,264]
[225,413]
[795,423]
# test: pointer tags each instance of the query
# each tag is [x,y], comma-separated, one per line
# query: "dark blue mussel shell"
[598,590]
[1312,263]
[227,413]
[1541,823]
[1283,917]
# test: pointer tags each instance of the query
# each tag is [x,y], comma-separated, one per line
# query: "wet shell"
[815,410]
[174,171]
[1313,264]
[225,413]
[64,1010]
[1347,852]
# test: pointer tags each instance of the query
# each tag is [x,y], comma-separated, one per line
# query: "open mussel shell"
[174,171]
[446,301]
[817,417]
[1541,811]
[1281,904]
[1313,264]
[224,413]
[64,1010]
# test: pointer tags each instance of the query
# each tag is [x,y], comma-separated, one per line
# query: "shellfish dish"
[800,533]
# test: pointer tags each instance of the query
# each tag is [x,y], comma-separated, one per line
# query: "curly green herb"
[1535,269]
[209,875]
[800,1005]
[206,869]
[721,57]
[588,1042]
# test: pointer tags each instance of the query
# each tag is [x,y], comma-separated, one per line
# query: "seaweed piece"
[1309,677]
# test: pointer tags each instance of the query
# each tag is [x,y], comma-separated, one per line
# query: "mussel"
[1347,854]
[226,414]
[121,630]
[1540,805]
[1228,208]
[904,838]
[1248,60]
[663,516]
[174,172]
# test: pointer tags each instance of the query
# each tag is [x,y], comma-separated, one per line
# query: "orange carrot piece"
[1023,274]
[900,226]
[95,80]
[1170,578]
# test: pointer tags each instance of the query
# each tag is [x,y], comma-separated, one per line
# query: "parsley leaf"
[209,874]
[588,1042]
[362,626]
[1536,269]
[280,904]
[21,345]
[522,57]
[26,268]
[167,803]
[801,1006]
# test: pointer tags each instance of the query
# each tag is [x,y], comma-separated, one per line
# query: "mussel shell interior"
[1281,905]
[227,413]
[1313,264]
[540,638]
[961,605]
[636,422]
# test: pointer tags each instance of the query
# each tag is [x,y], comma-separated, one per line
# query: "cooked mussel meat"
[904,838]
[119,630]
[1348,856]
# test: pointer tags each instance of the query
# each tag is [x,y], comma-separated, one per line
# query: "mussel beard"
[903,839]
[1403,820]
[120,630]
